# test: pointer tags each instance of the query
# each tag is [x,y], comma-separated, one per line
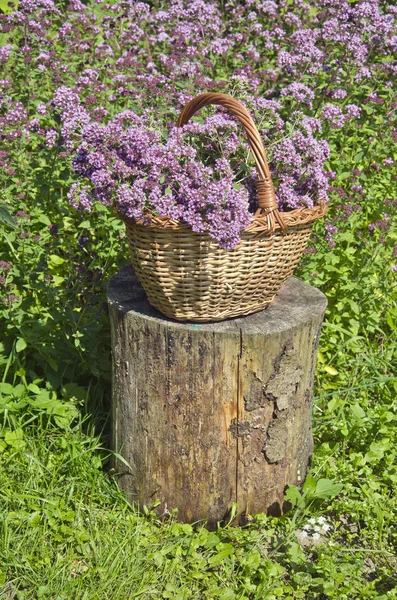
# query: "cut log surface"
[208,415]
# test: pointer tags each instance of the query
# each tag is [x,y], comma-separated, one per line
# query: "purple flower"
[352,111]
[30,6]
[23,215]
[16,115]
[301,93]
[13,298]
[34,125]
[51,136]
[339,93]
[334,115]
[331,231]
[65,99]
[5,52]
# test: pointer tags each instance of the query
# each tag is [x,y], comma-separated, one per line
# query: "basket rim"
[259,221]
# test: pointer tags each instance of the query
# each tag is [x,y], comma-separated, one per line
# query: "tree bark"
[208,415]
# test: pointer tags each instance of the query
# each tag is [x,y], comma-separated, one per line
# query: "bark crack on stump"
[238,389]
[277,436]
[281,390]
[283,384]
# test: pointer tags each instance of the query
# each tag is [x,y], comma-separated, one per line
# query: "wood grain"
[208,415]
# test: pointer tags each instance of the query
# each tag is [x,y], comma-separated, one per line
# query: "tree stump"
[208,415]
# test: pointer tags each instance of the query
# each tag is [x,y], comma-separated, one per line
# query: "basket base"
[187,277]
[228,314]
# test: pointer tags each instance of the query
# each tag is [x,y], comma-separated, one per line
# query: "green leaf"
[20,345]
[211,540]
[225,551]
[34,519]
[85,225]
[390,319]
[293,495]
[377,450]
[57,280]
[56,260]
[72,390]
[53,364]
[227,595]
[357,411]
[326,488]
[309,486]
[64,415]
[18,390]
[5,8]
[44,219]
[15,438]
[295,552]
[5,216]
[330,370]
[6,388]
[34,388]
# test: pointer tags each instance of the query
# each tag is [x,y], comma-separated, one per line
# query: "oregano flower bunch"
[143,166]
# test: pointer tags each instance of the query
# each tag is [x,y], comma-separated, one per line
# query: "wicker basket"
[187,276]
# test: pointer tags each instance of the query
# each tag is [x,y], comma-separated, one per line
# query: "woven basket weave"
[187,276]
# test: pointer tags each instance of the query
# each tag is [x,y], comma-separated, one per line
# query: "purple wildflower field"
[118,74]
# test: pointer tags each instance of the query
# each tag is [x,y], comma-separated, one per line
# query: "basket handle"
[265,189]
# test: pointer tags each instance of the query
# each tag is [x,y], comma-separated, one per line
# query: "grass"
[66,531]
